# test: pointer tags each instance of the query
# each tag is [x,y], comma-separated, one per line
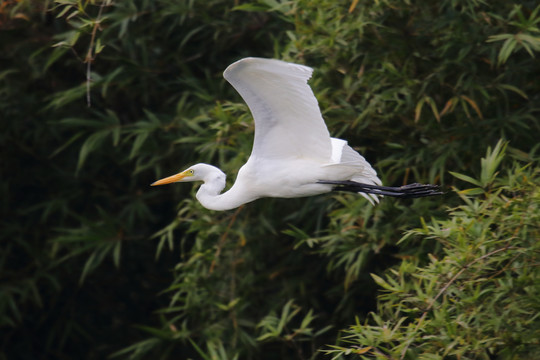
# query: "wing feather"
[288,121]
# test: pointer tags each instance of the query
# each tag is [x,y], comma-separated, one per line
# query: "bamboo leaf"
[434,108]
[473,105]
[514,89]
[466,178]
[507,49]
[418,109]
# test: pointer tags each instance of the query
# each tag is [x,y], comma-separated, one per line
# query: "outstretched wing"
[288,121]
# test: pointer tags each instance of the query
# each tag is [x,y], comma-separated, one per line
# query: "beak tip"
[159,182]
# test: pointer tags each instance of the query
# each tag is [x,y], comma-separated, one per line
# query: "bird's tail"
[406,191]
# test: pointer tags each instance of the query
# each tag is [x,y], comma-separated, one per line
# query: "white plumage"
[293,154]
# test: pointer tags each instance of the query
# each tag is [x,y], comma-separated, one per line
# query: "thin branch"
[90,54]
[223,238]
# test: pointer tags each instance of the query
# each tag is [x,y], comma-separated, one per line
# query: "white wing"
[288,122]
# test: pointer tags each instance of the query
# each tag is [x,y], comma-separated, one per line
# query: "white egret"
[293,154]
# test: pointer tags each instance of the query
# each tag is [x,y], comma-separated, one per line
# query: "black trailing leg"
[406,191]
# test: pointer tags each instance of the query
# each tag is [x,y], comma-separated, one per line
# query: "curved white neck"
[209,195]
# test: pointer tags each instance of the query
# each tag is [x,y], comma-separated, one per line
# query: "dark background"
[93,261]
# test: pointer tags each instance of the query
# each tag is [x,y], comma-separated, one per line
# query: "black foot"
[406,191]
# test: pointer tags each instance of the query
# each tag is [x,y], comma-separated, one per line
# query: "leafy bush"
[475,297]
[99,98]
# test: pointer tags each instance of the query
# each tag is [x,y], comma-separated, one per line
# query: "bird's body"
[293,154]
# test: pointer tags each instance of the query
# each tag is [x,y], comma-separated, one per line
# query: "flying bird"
[293,154]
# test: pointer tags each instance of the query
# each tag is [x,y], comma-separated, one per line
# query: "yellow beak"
[170,179]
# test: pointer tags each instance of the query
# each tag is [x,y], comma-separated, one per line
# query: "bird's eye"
[191,172]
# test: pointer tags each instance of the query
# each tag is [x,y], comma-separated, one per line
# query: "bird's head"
[199,172]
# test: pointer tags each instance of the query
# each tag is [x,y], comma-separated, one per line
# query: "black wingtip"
[409,191]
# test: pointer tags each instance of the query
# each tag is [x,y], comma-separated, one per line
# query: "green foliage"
[100,98]
[475,298]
